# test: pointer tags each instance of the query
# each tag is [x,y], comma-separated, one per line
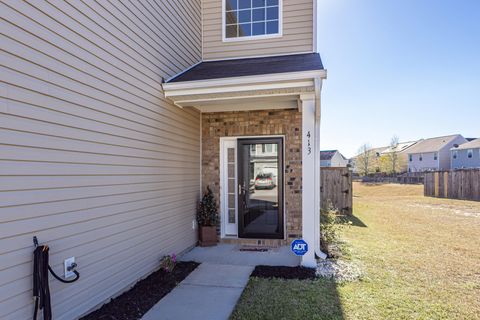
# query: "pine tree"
[207,211]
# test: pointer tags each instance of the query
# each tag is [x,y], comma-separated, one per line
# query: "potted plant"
[207,218]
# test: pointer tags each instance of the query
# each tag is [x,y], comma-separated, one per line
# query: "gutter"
[318,110]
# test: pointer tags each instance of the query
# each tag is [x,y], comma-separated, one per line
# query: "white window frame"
[259,37]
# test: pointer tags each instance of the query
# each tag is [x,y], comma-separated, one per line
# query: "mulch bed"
[134,303]
[299,273]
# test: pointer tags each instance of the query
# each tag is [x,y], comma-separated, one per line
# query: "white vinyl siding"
[93,160]
[297,33]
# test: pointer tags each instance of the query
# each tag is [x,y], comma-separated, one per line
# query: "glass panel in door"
[260,178]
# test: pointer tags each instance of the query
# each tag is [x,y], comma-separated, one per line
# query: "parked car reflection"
[265,181]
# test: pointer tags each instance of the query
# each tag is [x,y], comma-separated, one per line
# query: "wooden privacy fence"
[336,188]
[456,184]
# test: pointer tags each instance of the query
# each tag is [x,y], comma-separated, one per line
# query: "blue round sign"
[299,247]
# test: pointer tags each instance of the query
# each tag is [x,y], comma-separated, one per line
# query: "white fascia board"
[287,76]
[238,88]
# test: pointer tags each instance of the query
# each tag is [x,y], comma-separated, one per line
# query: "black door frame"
[243,189]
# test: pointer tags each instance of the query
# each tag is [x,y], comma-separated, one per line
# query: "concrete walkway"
[210,292]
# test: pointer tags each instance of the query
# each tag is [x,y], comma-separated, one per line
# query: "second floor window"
[455,154]
[246,19]
[410,157]
[435,156]
[421,157]
[470,153]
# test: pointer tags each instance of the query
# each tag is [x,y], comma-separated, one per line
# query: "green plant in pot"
[207,218]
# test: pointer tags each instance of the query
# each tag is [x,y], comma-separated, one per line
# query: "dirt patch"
[299,273]
[134,303]
[456,209]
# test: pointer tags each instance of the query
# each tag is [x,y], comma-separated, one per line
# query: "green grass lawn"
[420,256]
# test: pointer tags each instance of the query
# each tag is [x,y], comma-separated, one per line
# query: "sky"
[409,68]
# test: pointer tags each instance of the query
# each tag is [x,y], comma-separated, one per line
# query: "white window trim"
[259,37]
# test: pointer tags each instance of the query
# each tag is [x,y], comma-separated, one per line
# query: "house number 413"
[309,144]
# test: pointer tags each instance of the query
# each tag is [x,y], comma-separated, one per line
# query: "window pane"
[231,5]
[231,185]
[245,30]
[231,170]
[231,201]
[258,14]
[231,216]
[231,17]
[231,155]
[258,28]
[231,31]
[272,2]
[272,27]
[244,4]
[258,3]
[272,13]
[245,16]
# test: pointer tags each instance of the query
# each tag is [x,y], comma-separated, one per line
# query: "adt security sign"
[299,247]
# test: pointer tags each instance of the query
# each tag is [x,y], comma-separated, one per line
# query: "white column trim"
[308,180]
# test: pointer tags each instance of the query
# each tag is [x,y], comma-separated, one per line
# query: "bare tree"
[393,154]
[364,159]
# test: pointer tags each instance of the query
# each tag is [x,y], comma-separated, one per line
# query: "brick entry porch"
[261,123]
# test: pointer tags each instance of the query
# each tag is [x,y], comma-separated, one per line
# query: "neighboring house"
[332,158]
[401,150]
[433,154]
[466,155]
[374,155]
[105,161]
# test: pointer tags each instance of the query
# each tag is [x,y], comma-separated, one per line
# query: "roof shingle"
[251,67]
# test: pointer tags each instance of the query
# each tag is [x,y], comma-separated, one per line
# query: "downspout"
[318,109]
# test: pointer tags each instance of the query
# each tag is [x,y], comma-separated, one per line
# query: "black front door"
[260,185]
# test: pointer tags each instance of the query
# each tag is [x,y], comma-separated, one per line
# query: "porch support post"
[309,183]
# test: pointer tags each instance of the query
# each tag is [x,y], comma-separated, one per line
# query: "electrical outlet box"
[67,263]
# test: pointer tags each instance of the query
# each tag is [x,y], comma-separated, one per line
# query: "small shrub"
[330,226]
[207,215]
[167,263]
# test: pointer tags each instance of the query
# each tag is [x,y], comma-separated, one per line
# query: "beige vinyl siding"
[93,160]
[297,33]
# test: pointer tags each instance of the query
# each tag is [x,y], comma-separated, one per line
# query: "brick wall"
[258,123]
